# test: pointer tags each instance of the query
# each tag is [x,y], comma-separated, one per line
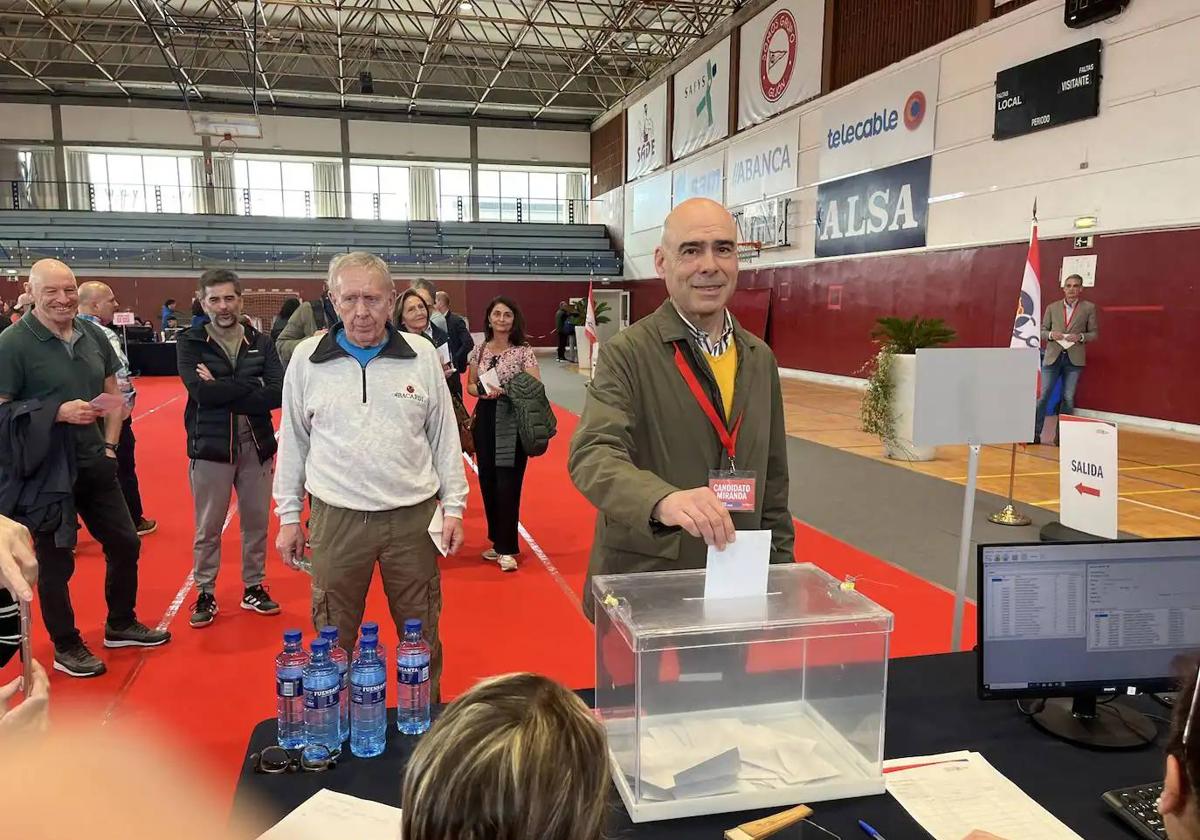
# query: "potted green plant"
[887,405]
[577,312]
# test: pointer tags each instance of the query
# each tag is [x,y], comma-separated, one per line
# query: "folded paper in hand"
[444,353]
[490,381]
[435,528]
[107,403]
[1064,344]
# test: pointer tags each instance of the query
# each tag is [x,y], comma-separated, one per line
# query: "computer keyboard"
[1138,807]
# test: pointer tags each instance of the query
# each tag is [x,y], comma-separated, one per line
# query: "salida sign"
[883,210]
[1088,475]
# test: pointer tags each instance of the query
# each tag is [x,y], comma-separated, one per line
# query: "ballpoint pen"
[870,832]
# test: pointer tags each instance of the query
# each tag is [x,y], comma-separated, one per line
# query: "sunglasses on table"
[314,758]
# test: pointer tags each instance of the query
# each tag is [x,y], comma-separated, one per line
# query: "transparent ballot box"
[728,705]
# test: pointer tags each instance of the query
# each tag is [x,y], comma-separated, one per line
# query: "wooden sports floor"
[1158,484]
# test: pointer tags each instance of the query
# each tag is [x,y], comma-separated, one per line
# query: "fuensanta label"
[734,489]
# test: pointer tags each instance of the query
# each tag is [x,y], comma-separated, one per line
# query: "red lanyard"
[728,439]
[1070,312]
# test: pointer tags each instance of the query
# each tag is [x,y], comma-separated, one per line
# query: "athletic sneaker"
[490,555]
[146,526]
[135,635]
[507,562]
[256,598]
[204,610]
[77,661]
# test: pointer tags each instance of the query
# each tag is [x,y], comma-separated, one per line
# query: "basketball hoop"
[749,250]
[227,147]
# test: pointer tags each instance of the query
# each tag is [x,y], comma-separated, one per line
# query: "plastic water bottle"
[342,659]
[412,678]
[368,695]
[289,691]
[321,681]
[371,628]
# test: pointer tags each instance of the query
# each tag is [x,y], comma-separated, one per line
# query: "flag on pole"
[1027,327]
[589,321]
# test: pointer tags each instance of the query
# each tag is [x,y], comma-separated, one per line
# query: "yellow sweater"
[724,368]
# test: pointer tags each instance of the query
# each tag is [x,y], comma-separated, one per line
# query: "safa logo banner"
[880,123]
[702,102]
[883,210]
[779,59]
[646,134]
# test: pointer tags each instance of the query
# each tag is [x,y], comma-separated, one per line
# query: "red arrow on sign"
[1085,490]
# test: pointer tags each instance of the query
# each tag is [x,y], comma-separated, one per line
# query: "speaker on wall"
[1081,13]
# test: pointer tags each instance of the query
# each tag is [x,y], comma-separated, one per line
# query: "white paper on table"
[740,571]
[107,403]
[444,353]
[435,528]
[330,814]
[952,794]
[490,380]
[1064,344]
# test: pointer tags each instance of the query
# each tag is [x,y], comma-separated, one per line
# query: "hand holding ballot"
[700,513]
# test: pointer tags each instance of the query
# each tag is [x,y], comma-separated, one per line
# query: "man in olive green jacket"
[644,446]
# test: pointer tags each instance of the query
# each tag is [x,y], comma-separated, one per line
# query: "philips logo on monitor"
[879,123]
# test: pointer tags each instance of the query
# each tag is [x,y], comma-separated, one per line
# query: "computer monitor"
[1082,620]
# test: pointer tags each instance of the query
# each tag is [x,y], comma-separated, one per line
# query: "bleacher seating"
[136,240]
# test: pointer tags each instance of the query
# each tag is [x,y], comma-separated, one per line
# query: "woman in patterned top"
[505,351]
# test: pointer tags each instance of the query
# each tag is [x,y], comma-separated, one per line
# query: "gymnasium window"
[454,184]
[275,188]
[379,192]
[531,195]
[131,183]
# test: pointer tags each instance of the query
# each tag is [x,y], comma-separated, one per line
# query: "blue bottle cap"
[320,646]
[370,627]
[412,625]
[291,637]
[329,632]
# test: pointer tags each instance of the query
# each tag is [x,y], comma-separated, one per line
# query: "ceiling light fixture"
[1085,222]
[465,6]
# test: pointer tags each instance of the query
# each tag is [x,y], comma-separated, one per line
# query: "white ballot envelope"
[1064,344]
[490,381]
[444,353]
[435,528]
[740,571]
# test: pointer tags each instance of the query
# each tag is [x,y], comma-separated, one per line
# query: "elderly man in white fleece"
[369,433]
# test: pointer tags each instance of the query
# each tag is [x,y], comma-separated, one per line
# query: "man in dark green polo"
[53,356]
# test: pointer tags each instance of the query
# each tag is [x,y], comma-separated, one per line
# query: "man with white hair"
[368,431]
[54,357]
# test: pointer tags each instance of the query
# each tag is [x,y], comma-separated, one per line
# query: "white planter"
[583,349]
[904,379]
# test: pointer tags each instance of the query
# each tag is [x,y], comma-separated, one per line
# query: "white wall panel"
[146,126]
[535,146]
[424,142]
[25,122]
[296,134]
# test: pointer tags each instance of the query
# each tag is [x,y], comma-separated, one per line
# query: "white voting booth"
[974,396]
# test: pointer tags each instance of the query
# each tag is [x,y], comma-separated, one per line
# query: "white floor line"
[541,555]
[148,412]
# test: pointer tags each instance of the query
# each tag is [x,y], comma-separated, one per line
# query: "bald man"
[683,404]
[58,359]
[98,304]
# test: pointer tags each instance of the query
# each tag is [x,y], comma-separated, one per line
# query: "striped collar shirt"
[702,339]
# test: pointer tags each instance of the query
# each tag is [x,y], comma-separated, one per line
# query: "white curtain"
[79,178]
[199,187]
[225,196]
[577,196]
[422,193]
[40,191]
[327,183]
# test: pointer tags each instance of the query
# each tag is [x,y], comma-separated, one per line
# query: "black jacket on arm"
[253,390]
[461,343]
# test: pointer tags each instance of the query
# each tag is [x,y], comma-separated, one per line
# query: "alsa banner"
[884,210]
[701,102]
[881,123]
[646,134]
[765,164]
[780,59]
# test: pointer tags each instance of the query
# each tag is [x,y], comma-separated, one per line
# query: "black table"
[931,708]
[156,359]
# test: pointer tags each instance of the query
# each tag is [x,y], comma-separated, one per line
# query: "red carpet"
[209,687]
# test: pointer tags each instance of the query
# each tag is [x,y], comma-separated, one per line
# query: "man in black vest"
[234,380]
[461,342]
